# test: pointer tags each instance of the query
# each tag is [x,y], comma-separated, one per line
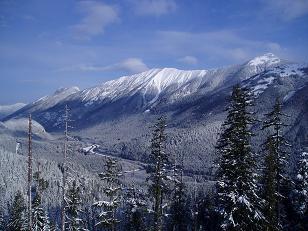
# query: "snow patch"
[288,96]
[90,149]
[289,70]
[262,85]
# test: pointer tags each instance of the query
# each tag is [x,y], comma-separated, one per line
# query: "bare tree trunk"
[195,208]
[277,178]
[157,209]
[30,174]
[64,170]
[158,199]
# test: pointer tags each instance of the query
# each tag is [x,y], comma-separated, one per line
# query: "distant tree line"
[254,191]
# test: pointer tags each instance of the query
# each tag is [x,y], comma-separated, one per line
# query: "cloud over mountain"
[154,7]
[96,17]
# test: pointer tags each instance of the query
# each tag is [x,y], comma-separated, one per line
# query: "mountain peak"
[266,59]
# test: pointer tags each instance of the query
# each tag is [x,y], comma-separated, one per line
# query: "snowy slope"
[153,82]
[6,110]
[260,82]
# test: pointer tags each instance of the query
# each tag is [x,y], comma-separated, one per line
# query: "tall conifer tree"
[136,209]
[158,171]
[236,177]
[269,192]
[178,211]
[73,208]
[276,188]
[17,214]
[112,190]
[40,219]
[2,219]
[300,193]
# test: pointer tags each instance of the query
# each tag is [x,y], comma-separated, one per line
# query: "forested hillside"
[248,187]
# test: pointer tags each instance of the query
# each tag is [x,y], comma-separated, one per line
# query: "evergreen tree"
[40,219]
[206,218]
[300,194]
[276,181]
[90,217]
[194,200]
[269,187]
[178,211]
[53,226]
[2,219]
[41,183]
[112,190]
[159,172]
[73,208]
[135,209]
[236,177]
[17,214]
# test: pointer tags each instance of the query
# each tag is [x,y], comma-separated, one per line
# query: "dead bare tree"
[30,174]
[66,117]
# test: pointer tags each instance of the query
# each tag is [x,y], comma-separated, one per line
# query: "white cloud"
[223,45]
[154,7]
[191,60]
[274,47]
[287,9]
[130,65]
[97,16]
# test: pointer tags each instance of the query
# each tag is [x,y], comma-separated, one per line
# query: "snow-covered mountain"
[148,91]
[174,83]
[50,101]
[116,115]
[6,110]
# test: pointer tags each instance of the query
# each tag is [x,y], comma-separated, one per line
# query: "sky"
[48,44]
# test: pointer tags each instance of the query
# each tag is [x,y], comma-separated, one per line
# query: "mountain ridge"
[155,89]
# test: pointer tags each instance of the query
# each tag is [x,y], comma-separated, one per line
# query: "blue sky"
[47,44]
